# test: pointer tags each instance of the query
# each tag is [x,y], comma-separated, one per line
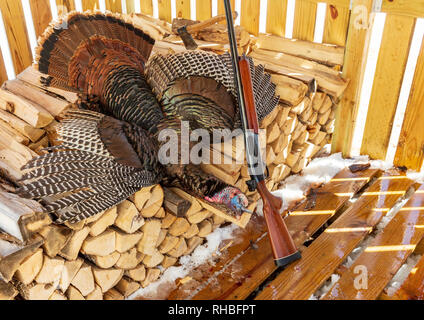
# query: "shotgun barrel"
[283,246]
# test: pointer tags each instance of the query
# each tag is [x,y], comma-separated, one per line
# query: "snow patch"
[319,171]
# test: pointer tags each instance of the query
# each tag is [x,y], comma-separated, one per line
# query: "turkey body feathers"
[108,155]
[99,172]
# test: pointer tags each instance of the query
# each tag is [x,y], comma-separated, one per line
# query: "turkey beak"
[188,40]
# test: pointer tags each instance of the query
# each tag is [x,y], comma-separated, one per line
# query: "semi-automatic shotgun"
[282,244]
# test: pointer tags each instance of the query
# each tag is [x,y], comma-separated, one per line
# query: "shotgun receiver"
[282,244]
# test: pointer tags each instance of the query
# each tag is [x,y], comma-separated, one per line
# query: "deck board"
[245,266]
[413,287]
[386,253]
[301,279]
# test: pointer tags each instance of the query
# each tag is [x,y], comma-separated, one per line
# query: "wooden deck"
[327,227]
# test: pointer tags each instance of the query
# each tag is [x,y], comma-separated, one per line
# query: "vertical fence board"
[353,68]
[336,25]
[276,17]
[221,8]
[304,20]
[3,73]
[183,9]
[203,9]
[41,15]
[130,6]
[388,78]
[410,151]
[14,22]
[146,7]
[250,10]
[90,5]
[64,6]
[164,7]
[114,5]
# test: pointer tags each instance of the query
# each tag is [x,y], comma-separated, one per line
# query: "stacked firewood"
[108,256]
[115,253]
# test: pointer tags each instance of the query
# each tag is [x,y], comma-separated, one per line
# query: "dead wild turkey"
[109,146]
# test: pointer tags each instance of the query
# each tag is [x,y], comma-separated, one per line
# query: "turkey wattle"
[110,146]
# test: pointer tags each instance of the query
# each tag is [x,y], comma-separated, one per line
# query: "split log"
[126,241]
[84,280]
[129,219]
[24,109]
[71,249]
[168,220]
[102,245]
[179,227]
[291,91]
[12,256]
[151,231]
[113,294]
[7,291]
[30,268]
[219,173]
[160,214]
[153,260]
[290,124]
[205,228]
[74,294]
[138,274]
[127,287]
[318,100]
[107,278]
[55,238]
[179,249]
[129,260]
[154,203]
[31,76]
[322,53]
[272,132]
[175,204]
[270,118]
[192,244]
[168,244]
[198,217]
[8,132]
[70,269]
[106,220]
[327,82]
[51,270]
[105,262]
[168,261]
[56,107]
[21,126]
[193,230]
[283,114]
[21,217]
[151,276]
[96,294]
[162,235]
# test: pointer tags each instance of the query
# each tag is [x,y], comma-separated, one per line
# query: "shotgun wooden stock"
[282,244]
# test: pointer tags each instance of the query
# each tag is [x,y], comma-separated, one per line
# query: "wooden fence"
[346,24]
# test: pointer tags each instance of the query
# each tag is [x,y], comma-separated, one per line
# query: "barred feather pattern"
[163,70]
[83,178]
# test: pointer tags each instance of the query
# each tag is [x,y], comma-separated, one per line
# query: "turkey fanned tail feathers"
[85,177]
